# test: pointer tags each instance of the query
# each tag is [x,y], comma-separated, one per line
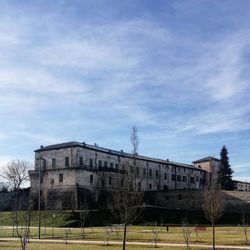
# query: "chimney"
[41,146]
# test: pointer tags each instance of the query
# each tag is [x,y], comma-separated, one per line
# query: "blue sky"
[90,70]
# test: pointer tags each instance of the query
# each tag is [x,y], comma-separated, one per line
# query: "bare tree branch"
[16,173]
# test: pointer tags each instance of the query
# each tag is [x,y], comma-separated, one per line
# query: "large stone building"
[72,170]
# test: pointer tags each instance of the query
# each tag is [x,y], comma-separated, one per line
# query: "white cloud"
[242,178]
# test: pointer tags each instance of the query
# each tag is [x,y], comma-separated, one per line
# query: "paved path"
[135,243]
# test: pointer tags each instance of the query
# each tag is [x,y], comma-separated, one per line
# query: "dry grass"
[224,235]
[53,246]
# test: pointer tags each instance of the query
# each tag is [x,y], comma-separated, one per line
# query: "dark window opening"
[53,163]
[44,164]
[178,178]
[80,161]
[99,163]
[60,177]
[91,163]
[137,171]
[156,173]
[150,172]
[91,179]
[66,162]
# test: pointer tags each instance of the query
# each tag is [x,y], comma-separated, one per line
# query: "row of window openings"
[91,180]
[100,165]
[111,165]
[184,178]
[179,169]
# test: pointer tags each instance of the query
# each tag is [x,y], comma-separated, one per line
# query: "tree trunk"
[213,235]
[124,237]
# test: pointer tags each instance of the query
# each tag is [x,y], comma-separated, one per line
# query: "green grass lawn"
[58,224]
[224,235]
[53,246]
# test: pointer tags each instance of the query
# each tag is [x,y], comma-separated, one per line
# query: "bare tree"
[16,173]
[134,139]
[212,204]
[83,216]
[186,233]
[23,221]
[155,232]
[244,220]
[126,202]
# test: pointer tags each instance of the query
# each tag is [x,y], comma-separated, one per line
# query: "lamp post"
[54,216]
[39,199]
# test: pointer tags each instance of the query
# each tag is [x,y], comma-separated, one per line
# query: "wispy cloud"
[84,76]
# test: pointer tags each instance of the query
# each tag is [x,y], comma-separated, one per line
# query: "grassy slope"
[48,218]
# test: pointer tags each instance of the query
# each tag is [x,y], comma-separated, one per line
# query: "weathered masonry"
[71,169]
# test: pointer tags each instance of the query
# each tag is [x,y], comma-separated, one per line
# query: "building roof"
[114,152]
[208,158]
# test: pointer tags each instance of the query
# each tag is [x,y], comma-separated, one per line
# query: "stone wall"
[233,201]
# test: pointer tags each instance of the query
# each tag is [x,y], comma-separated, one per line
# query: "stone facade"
[68,167]
[242,186]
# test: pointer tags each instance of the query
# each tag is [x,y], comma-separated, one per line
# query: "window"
[156,173]
[91,179]
[110,180]
[116,165]
[111,164]
[91,163]
[144,171]
[80,161]
[158,187]
[66,162]
[173,177]
[150,186]
[179,197]
[53,163]
[41,180]
[139,186]
[150,172]
[60,177]
[51,181]
[178,178]
[165,176]
[137,171]
[44,164]
[131,169]
[201,181]
[184,178]
[192,179]
[99,163]
[197,178]
[105,164]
